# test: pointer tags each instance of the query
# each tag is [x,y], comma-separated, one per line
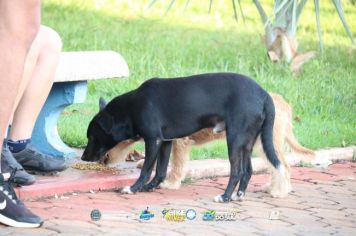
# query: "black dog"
[164,109]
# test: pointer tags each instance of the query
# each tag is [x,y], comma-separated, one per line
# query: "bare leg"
[19,25]
[39,75]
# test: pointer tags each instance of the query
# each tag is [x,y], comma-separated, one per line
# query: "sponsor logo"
[146,215]
[191,214]
[211,215]
[95,215]
[176,215]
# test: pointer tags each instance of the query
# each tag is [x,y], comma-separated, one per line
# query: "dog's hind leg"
[250,135]
[162,164]
[247,173]
[235,150]
[152,148]
[280,182]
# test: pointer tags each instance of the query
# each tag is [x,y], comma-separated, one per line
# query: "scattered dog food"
[95,166]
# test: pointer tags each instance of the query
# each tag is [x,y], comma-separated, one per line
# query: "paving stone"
[264,226]
[294,203]
[236,228]
[312,230]
[124,232]
[252,203]
[339,191]
[194,230]
[320,204]
[71,226]
[31,232]
[5,230]
[320,212]
[300,217]
[346,231]
[350,211]
[256,212]
[346,202]
[340,222]
[329,184]
[349,184]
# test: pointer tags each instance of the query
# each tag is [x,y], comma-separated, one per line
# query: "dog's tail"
[306,154]
[267,133]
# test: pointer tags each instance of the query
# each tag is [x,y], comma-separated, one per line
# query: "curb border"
[196,169]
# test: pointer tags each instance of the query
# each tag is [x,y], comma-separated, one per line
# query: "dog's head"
[104,132]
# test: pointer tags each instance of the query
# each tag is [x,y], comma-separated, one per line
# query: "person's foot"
[38,163]
[12,211]
[9,164]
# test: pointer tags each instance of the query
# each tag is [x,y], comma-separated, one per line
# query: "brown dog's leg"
[118,153]
[180,157]
[280,184]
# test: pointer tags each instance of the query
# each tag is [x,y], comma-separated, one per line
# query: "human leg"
[30,103]
[8,162]
[39,83]
[19,24]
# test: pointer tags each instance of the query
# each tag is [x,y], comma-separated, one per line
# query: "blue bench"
[74,71]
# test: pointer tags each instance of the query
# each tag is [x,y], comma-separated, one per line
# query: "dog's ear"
[106,122]
[102,103]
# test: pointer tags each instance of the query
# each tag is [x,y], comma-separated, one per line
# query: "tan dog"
[282,133]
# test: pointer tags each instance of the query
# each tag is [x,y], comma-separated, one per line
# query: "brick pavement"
[323,202]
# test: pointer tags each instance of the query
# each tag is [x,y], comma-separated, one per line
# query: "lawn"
[188,42]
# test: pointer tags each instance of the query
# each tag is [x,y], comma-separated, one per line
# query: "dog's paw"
[280,185]
[278,194]
[220,198]
[238,196]
[280,188]
[127,190]
[147,188]
[280,191]
[170,185]
[266,188]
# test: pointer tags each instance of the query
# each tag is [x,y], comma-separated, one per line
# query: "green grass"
[190,42]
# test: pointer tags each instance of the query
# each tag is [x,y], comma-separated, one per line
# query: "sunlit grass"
[192,41]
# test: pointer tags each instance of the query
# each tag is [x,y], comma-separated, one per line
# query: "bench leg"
[45,134]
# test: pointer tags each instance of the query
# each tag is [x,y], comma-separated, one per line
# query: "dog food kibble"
[94,166]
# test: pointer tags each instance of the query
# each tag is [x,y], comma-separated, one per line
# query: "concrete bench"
[74,71]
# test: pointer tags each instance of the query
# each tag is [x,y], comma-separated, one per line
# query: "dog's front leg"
[151,149]
[162,164]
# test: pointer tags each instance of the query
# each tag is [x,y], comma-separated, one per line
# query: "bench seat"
[74,71]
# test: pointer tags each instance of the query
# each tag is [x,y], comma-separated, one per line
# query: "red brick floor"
[79,205]
[322,203]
